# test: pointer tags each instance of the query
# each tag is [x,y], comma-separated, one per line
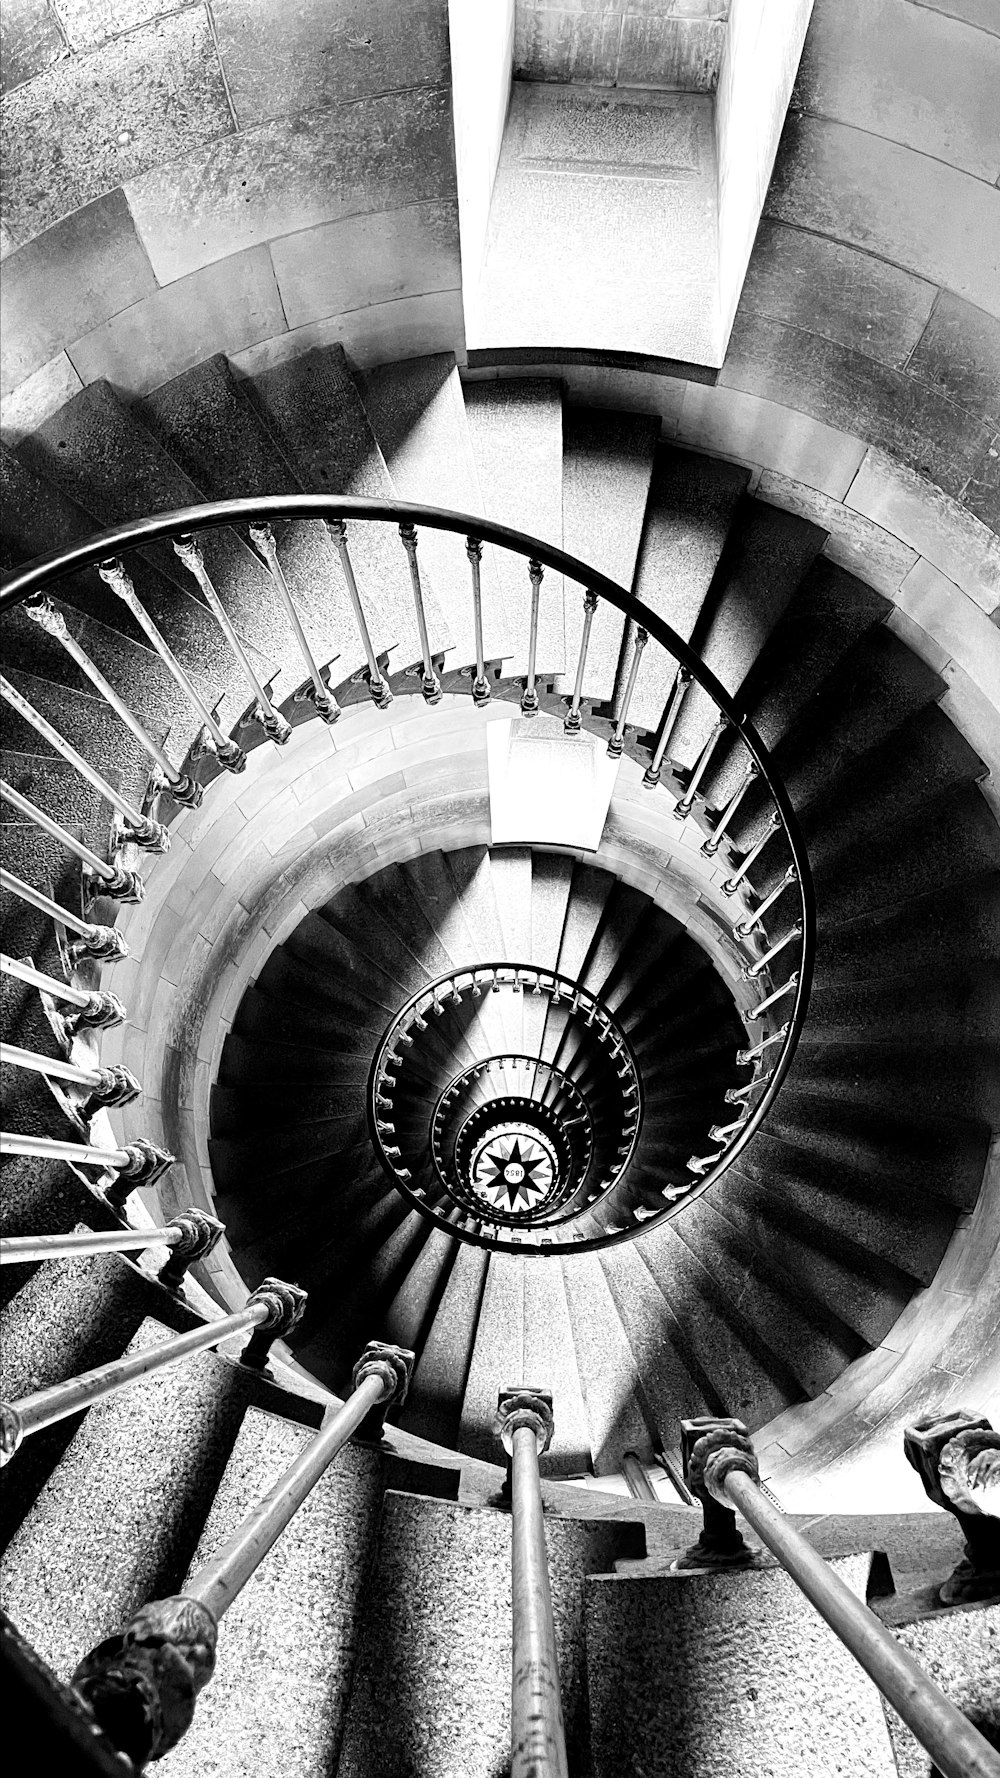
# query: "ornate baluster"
[480,684]
[529,696]
[745,927]
[756,1012]
[714,842]
[183,788]
[327,707]
[537,1737]
[686,803]
[957,1457]
[431,684]
[140,831]
[271,1312]
[177,1636]
[754,1054]
[138,1163]
[722,1132]
[112,879]
[271,721]
[191,1235]
[108,1086]
[753,970]
[573,721]
[229,754]
[617,742]
[92,1010]
[101,942]
[732,883]
[651,776]
[377,686]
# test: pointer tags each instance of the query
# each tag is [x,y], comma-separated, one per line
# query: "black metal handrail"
[101,550]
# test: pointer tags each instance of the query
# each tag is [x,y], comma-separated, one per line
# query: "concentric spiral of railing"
[774,947]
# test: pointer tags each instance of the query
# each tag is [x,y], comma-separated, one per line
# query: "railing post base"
[950,1453]
[287,1303]
[394,1364]
[141,1684]
[721,1544]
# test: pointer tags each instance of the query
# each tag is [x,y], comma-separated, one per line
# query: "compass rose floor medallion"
[514,1169]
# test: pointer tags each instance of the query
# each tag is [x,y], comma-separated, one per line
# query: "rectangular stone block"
[227,307]
[360,260]
[36,399]
[926,216]
[911,508]
[956,624]
[89,123]
[32,41]
[827,287]
[292,173]
[283,59]
[89,23]
[959,353]
[67,281]
[855,543]
[748,428]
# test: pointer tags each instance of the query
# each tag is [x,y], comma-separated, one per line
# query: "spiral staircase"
[538,1112]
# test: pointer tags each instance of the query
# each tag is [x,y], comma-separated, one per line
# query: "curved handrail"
[40,574]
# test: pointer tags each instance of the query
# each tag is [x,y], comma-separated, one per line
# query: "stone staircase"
[751,1300]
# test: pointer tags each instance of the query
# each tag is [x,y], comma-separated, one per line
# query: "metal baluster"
[745,927]
[480,684]
[431,684]
[721,1132]
[229,753]
[732,883]
[271,1311]
[183,788]
[686,803]
[101,942]
[573,721]
[113,880]
[617,742]
[651,776]
[190,1235]
[753,970]
[754,1054]
[380,694]
[150,835]
[756,1012]
[92,1009]
[178,1635]
[271,720]
[537,1736]
[714,842]
[108,1086]
[529,696]
[327,707]
[138,1163]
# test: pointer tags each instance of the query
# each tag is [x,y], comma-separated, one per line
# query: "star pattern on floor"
[513,1172]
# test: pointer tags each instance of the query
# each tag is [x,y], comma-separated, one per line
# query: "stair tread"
[433,1408]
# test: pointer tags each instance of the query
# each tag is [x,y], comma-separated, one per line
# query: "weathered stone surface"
[848,390]
[959,353]
[830,288]
[982,491]
[367,259]
[67,281]
[284,60]
[91,122]
[659,45]
[292,173]
[910,508]
[906,73]
[960,1652]
[751,430]
[30,41]
[907,207]
[228,306]
[974,12]
[89,23]
[36,399]
[730,1672]
[937,605]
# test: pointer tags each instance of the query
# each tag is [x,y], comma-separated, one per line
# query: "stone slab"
[89,23]
[959,353]
[955,623]
[225,307]
[858,187]
[280,62]
[31,41]
[749,428]
[362,260]
[89,124]
[732,1672]
[855,543]
[608,1378]
[406,327]
[287,175]
[827,287]
[906,73]
[909,507]
[547,787]
[960,1652]
[497,1360]
[67,281]
[36,399]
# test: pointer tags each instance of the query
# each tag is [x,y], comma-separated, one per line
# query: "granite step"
[437,1389]
[497,1357]
[692,503]
[314,410]
[516,430]
[733,1649]
[607,470]
[315,1578]
[949,1011]
[765,558]
[409,1318]
[551,1362]
[238,1160]
[100,455]
[620,1414]
[948,840]
[921,1082]
[943,1160]
[341,1325]
[240,1108]
[675,1385]
[376,940]
[273,1058]
[624,909]
[271,1222]
[431,883]
[390,895]
[417,413]
[318,944]
[933,933]
[82,719]
[551,878]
